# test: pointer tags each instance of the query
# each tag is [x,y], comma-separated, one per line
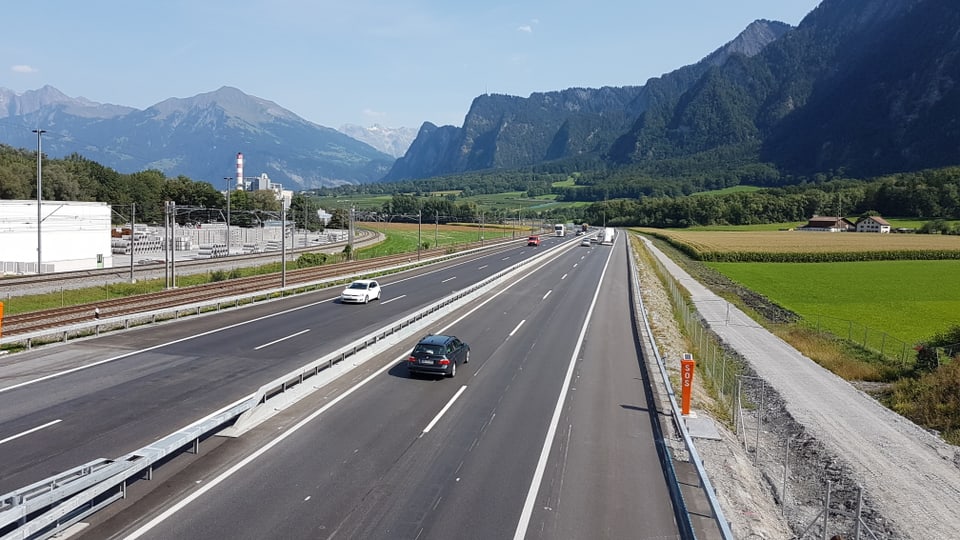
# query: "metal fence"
[815,492]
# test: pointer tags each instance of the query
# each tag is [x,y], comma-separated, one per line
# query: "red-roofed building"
[828,224]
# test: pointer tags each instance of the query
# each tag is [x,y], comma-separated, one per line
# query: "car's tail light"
[444,362]
[412,359]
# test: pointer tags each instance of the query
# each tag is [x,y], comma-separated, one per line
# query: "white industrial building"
[73,236]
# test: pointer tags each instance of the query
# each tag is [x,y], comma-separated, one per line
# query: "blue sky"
[395,63]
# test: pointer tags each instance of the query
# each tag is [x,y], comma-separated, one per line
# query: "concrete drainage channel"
[48,507]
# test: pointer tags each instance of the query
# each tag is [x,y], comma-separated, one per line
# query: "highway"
[546,433]
[63,406]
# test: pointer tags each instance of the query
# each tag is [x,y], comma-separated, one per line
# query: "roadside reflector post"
[686,376]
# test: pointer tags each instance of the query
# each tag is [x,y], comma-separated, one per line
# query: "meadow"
[402,237]
[909,300]
[785,241]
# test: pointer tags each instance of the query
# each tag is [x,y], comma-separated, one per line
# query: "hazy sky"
[394,63]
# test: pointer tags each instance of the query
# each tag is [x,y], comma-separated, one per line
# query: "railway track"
[24,323]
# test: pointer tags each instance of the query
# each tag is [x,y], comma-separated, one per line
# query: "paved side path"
[911,475]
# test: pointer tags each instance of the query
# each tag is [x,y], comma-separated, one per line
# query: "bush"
[311,259]
[932,401]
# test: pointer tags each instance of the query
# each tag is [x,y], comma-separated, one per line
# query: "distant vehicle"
[608,235]
[585,242]
[559,230]
[579,233]
[360,292]
[533,240]
[438,355]
[584,227]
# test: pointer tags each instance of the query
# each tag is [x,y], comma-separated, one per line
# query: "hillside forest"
[626,196]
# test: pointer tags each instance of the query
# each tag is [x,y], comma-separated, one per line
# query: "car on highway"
[533,240]
[437,354]
[585,242]
[360,291]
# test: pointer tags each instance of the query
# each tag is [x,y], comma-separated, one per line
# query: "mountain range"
[859,87]
[197,137]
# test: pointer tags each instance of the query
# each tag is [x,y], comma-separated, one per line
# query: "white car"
[360,292]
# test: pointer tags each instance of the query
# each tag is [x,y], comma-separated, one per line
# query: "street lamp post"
[419,223]
[39,132]
[228,179]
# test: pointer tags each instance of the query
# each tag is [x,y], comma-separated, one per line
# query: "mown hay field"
[807,242]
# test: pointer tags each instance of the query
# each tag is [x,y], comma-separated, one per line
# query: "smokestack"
[239,171]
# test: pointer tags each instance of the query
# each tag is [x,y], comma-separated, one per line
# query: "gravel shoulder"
[820,426]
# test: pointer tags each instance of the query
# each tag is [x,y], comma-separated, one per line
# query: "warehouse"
[72,236]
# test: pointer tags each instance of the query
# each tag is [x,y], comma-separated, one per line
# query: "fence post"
[756,449]
[826,512]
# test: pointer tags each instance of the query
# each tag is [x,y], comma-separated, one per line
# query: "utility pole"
[39,132]
[350,233]
[228,179]
[133,221]
[283,245]
[419,223]
[436,228]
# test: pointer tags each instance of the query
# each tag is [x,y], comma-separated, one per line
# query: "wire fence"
[816,493]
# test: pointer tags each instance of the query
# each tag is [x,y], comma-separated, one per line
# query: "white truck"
[608,234]
[559,230]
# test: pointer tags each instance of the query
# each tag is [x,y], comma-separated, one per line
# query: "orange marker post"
[686,377]
[1,319]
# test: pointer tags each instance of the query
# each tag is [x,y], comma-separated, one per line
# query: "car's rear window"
[358,285]
[433,350]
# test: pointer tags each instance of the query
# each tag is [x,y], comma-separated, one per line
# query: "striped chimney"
[239,171]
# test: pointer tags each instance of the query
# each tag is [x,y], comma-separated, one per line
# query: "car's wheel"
[366,299]
[466,359]
[453,370]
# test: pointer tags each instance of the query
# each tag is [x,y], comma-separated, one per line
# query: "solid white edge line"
[29,431]
[274,342]
[517,328]
[392,299]
[527,511]
[262,450]
[443,410]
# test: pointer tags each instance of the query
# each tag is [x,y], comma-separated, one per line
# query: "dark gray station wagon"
[438,355]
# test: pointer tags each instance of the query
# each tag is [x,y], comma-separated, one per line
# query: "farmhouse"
[874,224]
[828,224]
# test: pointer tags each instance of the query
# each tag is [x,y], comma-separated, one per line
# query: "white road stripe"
[546,295]
[392,299]
[564,277]
[274,342]
[443,410]
[527,511]
[517,328]
[29,431]
[482,267]
[449,279]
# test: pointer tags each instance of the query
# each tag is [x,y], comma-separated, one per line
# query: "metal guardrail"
[45,508]
[691,449]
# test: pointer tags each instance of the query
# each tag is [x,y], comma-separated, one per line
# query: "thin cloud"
[22,68]
[370,113]
[525,28]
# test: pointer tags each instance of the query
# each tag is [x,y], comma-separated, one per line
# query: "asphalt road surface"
[546,433]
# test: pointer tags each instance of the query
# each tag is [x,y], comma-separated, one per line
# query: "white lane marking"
[564,277]
[299,425]
[274,342]
[482,267]
[505,258]
[202,334]
[449,279]
[527,511]
[517,328]
[442,411]
[29,431]
[546,295]
[575,264]
[392,299]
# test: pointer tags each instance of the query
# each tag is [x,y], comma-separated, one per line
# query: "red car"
[533,241]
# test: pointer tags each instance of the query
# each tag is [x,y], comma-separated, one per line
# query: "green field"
[910,300]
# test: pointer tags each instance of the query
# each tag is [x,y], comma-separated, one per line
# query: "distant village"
[869,224]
